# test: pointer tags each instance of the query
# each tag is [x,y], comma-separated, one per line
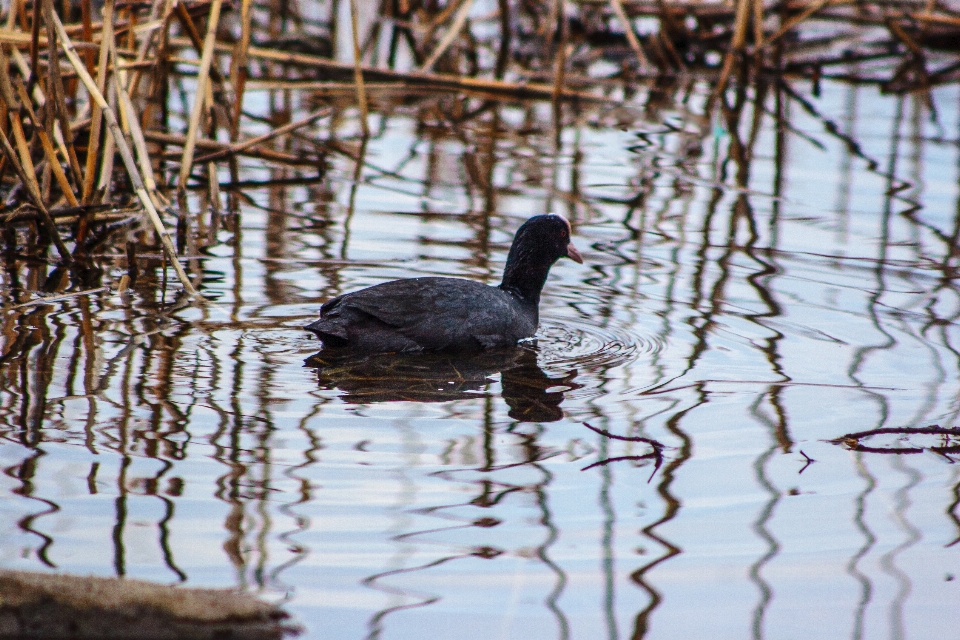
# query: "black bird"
[451,314]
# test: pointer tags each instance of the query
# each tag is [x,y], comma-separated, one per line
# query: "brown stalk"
[758,24]
[87,33]
[139,142]
[668,19]
[506,33]
[8,35]
[108,153]
[669,30]
[12,15]
[93,146]
[34,44]
[190,27]
[6,97]
[213,183]
[238,68]
[897,31]
[437,19]
[279,131]
[48,149]
[736,45]
[27,174]
[933,19]
[550,23]
[518,90]
[455,27]
[6,89]
[162,137]
[560,65]
[158,81]
[134,175]
[617,6]
[129,115]
[797,19]
[358,71]
[133,83]
[206,58]
[56,91]
[66,215]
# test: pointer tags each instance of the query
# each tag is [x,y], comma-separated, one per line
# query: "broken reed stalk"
[275,133]
[102,190]
[93,146]
[59,298]
[30,173]
[455,27]
[12,15]
[24,68]
[200,95]
[59,106]
[48,150]
[34,43]
[133,82]
[128,161]
[560,64]
[64,215]
[27,175]
[129,115]
[202,143]
[419,80]
[617,6]
[238,68]
[358,71]
[139,143]
[86,35]
[794,21]
[741,19]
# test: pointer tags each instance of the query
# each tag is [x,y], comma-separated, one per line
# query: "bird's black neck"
[525,275]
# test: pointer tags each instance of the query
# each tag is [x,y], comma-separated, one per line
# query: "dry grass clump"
[95,142]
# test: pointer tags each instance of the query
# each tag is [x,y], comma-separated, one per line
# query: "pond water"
[749,294]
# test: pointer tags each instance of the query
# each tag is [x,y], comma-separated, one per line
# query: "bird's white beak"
[574,254]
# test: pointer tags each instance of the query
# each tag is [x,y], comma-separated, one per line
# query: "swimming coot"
[451,314]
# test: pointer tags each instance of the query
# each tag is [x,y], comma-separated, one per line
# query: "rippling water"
[746,313]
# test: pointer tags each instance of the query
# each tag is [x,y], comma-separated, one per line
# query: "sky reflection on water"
[745,298]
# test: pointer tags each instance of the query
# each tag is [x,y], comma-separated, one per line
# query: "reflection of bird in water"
[451,314]
[525,391]
[435,377]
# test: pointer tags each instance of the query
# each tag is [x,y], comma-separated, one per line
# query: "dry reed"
[79,89]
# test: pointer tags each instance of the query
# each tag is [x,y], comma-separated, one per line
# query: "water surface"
[749,293]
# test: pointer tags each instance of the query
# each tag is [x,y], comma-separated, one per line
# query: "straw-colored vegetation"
[97,152]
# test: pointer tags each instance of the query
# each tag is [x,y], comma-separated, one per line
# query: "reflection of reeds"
[123,361]
[59,136]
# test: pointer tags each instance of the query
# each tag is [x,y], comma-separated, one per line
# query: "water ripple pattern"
[578,343]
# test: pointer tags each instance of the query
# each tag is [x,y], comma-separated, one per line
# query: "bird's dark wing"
[423,313]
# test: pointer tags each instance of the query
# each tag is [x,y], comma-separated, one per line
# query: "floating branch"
[656,454]
[949,440]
